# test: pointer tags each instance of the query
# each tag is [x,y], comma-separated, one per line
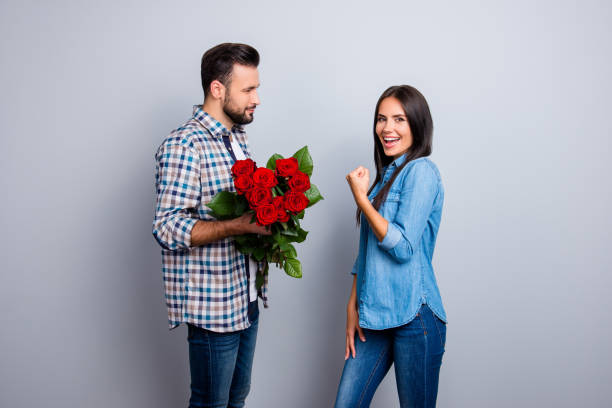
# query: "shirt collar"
[397,162]
[216,128]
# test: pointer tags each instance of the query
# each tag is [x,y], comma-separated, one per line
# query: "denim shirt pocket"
[390,205]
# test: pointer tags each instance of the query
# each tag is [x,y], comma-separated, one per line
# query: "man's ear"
[217,89]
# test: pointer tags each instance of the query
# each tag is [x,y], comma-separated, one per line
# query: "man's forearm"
[205,232]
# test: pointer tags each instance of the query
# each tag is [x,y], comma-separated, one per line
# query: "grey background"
[519,93]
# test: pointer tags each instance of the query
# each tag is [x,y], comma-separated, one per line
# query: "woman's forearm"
[378,224]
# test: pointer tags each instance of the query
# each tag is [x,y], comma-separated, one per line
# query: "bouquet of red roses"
[277,196]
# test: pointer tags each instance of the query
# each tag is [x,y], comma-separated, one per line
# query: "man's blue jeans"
[221,364]
[415,348]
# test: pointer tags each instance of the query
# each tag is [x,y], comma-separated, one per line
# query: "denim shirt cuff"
[391,239]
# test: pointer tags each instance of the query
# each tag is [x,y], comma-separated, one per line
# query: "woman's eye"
[399,119]
[381,119]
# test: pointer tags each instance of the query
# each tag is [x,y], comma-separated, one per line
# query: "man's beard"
[239,117]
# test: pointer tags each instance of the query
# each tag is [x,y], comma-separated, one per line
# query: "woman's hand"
[359,181]
[352,325]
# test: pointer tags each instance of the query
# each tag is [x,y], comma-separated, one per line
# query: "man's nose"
[255,98]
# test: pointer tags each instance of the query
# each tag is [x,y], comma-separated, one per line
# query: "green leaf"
[290,233]
[272,161]
[280,239]
[242,205]
[242,239]
[304,160]
[259,253]
[247,250]
[290,252]
[277,236]
[301,235]
[301,215]
[223,204]
[293,268]
[313,195]
[285,246]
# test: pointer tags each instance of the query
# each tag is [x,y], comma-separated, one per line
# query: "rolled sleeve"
[178,196]
[355,266]
[391,239]
[174,233]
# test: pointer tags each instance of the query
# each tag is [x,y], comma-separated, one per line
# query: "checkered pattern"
[206,285]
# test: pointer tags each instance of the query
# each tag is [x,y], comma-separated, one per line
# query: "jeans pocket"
[423,325]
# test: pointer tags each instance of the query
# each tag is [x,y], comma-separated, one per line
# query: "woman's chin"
[393,153]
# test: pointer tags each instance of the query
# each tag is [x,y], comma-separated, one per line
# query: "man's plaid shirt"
[206,285]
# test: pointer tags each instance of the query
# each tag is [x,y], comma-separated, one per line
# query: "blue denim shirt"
[395,276]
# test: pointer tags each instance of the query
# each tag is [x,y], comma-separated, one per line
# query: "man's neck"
[216,112]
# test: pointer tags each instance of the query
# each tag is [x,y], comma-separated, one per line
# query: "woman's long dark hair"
[421,125]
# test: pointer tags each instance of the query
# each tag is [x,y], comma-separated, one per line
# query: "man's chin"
[246,119]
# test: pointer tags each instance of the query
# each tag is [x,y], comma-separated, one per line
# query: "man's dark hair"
[218,62]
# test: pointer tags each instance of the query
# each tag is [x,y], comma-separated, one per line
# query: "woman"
[395,307]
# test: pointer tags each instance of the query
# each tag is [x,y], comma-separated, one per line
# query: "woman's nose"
[389,126]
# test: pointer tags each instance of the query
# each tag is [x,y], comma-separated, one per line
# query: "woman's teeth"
[390,141]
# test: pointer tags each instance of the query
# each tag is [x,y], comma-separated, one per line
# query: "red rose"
[282,216]
[264,177]
[258,196]
[243,167]
[266,214]
[279,202]
[243,183]
[286,167]
[299,182]
[295,202]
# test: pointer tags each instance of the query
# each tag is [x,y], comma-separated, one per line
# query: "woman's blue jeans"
[221,364]
[415,349]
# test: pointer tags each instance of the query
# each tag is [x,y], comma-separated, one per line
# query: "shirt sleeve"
[178,196]
[362,246]
[419,191]
[355,266]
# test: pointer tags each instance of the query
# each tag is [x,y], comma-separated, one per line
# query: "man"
[209,284]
